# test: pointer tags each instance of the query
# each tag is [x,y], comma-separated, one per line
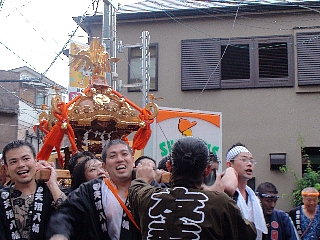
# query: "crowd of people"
[118,197]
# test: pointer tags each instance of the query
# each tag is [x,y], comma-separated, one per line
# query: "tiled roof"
[9,75]
[158,9]
[171,5]
[42,80]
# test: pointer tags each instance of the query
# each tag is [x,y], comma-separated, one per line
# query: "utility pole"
[109,36]
[109,30]
[145,66]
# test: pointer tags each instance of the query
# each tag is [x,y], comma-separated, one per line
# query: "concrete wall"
[16,116]
[9,128]
[9,108]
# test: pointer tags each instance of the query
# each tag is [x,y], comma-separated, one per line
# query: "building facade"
[256,64]
[23,92]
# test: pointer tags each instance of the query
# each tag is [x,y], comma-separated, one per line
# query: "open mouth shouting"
[121,167]
[23,173]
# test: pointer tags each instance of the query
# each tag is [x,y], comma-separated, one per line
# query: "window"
[311,154]
[308,51]
[236,57]
[40,98]
[237,63]
[135,73]
[273,60]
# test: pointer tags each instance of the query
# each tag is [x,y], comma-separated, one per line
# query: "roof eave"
[247,9]
[122,17]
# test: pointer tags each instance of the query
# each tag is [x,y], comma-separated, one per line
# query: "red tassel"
[141,138]
[53,139]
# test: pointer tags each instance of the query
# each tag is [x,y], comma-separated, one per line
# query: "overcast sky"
[33,32]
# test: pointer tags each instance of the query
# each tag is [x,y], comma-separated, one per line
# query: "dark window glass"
[311,154]
[235,63]
[273,60]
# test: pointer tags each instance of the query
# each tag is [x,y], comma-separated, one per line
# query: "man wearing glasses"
[279,224]
[240,159]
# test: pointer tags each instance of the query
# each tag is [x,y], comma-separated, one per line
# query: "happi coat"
[39,213]
[302,222]
[83,215]
[280,227]
[185,212]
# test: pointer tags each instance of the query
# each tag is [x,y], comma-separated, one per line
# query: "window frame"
[132,81]
[238,83]
[43,97]
[284,81]
[254,82]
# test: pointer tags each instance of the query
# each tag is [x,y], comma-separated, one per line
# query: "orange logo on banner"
[185,126]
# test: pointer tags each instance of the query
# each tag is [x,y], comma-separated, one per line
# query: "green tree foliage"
[310,178]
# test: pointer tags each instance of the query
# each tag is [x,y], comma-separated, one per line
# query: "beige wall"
[9,128]
[266,120]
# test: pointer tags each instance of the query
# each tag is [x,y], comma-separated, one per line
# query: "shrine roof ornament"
[95,60]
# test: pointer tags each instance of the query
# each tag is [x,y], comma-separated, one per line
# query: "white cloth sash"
[252,211]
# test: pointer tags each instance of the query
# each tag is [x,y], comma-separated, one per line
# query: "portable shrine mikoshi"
[97,114]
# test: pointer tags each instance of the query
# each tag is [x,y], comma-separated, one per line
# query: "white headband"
[235,151]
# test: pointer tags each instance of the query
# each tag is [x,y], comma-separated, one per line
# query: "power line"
[18,56]
[237,4]
[72,35]
[34,28]
[18,8]
[1,4]
[21,99]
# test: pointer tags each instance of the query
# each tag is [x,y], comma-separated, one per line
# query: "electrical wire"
[19,98]
[227,45]
[171,15]
[33,28]
[57,55]
[1,4]
[72,35]
[18,56]
[183,24]
[18,8]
